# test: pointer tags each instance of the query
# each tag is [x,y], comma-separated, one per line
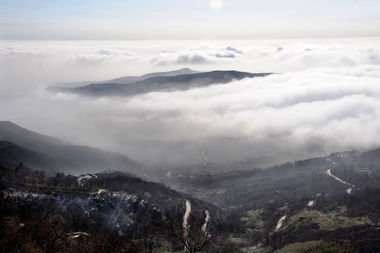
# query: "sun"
[216,4]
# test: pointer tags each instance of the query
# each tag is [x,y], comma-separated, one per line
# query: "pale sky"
[188,19]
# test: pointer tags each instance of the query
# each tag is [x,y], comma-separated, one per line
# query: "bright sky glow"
[216,4]
[183,19]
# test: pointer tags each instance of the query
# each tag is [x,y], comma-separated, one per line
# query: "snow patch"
[349,190]
[207,220]
[76,235]
[337,178]
[100,191]
[185,224]
[82,179]
[280,223]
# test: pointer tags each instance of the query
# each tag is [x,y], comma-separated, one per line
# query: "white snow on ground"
[311,203]
[337,178]
[75,235]
[186,216]
[207,220]
[100,191]
[280,223]
[85,177]
[349,190]
[21,194]
[185,224]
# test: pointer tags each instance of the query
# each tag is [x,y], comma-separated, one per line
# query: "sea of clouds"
[324,97]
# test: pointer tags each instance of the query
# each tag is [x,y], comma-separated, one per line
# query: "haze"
[324,98]
[179,19]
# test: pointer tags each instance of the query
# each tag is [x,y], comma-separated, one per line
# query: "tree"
[193,238]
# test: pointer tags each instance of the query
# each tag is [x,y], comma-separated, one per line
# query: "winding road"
[329,173]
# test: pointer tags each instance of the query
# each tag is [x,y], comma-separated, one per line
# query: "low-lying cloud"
[191,56]
[330,104]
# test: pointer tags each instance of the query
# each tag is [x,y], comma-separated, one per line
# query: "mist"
[323,98]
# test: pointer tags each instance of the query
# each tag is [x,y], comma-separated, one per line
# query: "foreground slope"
[329,204]
[102,212]
[325,204]
[53,154]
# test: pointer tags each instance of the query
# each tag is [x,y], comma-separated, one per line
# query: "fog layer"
[325,98]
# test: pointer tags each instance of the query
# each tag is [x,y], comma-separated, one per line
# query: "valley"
[325,203]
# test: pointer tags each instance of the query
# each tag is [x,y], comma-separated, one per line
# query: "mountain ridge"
[125,79]
[161,83]
[66,156]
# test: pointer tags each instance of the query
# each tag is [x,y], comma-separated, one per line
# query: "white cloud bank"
[327,100]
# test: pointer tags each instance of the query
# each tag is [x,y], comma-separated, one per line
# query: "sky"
[185,19]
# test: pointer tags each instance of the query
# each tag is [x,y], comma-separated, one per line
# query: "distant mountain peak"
[182,79]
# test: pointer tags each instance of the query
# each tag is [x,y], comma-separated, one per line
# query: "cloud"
[326,99]
[191,59]
[202,55]
[104,55]
[234,49]
[312,112]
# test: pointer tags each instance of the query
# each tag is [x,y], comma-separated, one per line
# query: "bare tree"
[192,238]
